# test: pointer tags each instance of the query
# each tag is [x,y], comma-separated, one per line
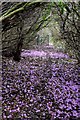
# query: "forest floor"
[44,85]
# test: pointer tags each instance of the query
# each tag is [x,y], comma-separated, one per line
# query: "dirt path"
[43,52]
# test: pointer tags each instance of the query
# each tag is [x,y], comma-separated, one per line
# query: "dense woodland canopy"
[38,15]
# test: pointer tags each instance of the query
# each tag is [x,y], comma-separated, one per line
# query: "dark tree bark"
[17,54]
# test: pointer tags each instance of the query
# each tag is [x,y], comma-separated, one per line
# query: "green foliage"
[59,45]
[61,5]
[46,11]
[69,22]
[71,29]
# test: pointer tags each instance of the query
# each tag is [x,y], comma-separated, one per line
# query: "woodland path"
[44,85]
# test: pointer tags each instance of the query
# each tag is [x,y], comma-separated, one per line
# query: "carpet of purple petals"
[40,88]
